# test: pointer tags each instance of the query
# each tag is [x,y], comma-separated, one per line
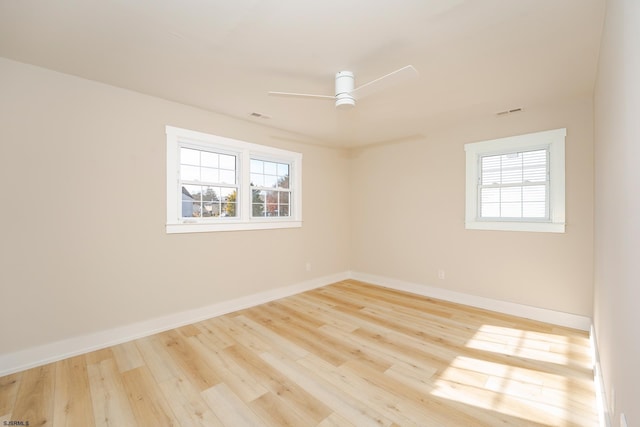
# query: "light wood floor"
[341,355]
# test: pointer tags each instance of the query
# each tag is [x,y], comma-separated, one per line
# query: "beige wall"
[407,216]
[83,245]
[617,243]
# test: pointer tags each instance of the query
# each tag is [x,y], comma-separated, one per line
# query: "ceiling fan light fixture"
[345,82]
[345,104]
[346,93]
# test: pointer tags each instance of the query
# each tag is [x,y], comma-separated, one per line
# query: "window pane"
[272,209]
[490,195]
[188,209]
[257,166]
[490,170]
[208,175]
[229,210]
[283,182]
[191,192]
[511,210]
[511,175]
[257,202]
[211,209]
[227,162]
[189,173]
[511,194]
[535,174]
[211,194]
[257,180]
[490,210]
[283,169]
[257,210]
[208,159]
[284,197]
[229,199]
[270,168]
[227,177]
[284,210]
[270,181]
[534,210]
[189,157]
[535,193]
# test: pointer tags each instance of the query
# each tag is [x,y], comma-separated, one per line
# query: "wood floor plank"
[9,386]
[149,406]
[296,397]
[157,359]
[213,330]
[34,401]
[72,400]
[241,382]
[127,356]
[356,387]
[189,361]
[109,399]
[98,356]
[270,340]
[275,412]
[188,404]
[344,354]
[229,408]
[343,404]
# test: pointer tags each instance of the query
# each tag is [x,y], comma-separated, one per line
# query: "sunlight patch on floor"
[537,346]
[505,389]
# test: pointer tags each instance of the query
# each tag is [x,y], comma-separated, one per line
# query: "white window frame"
[244,151]
[554,142]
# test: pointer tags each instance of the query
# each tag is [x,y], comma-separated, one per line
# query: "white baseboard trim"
[52,352]
[601,396]
[535,313]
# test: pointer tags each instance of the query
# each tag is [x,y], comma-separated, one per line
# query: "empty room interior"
[336,213]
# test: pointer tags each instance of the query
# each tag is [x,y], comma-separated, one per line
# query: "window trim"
[177,137]
[554,141]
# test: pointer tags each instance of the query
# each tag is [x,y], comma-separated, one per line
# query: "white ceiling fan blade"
[391,79]
[302,95]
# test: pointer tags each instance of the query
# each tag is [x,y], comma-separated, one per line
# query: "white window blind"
[514,186]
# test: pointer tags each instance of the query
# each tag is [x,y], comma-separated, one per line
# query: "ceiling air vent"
[259,115]
[505,112]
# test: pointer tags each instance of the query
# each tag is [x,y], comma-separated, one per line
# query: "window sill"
[542,227]
[231,226]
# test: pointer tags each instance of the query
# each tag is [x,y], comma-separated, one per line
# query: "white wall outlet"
[441,274]
[307,266]
[623,421]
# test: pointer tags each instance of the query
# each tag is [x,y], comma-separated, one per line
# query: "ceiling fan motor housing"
[345,82]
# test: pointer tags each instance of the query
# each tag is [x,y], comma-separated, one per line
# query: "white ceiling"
[475,57]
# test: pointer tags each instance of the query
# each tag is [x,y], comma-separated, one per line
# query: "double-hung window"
[219,184]
[517,183]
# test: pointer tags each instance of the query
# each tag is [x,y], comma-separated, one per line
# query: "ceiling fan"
[345,93]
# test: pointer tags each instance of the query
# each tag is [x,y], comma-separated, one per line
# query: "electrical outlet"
[441,274]
[307,266]
[623,421]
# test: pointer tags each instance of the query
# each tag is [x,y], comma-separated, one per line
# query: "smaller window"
[516,183]
[514,186]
